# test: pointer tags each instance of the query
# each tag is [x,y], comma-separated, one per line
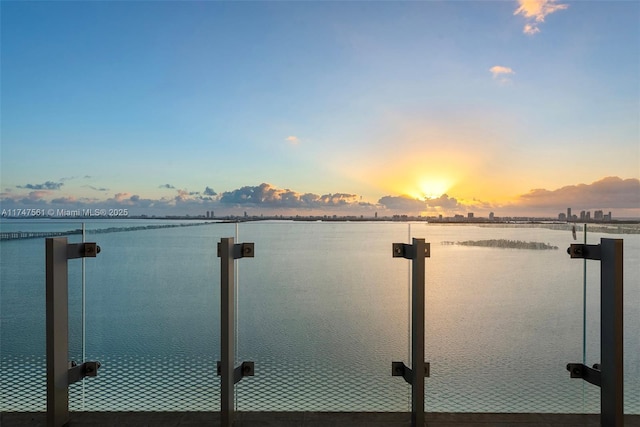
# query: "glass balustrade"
[503,318]
[22,312]
[631,318]
[153,316]
[322,310]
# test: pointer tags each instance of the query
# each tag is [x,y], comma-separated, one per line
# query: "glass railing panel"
[502,319]
[630,233]
[152,315]
[323,311]
[591,316]
[76,291]
[631,319]
[22,310]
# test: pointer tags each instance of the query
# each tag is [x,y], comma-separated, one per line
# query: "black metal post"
[227,332]
[57,332]
[416,252]
[59,374]
[608,374]
[611,342]
[229,376]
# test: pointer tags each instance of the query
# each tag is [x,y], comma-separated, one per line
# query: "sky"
[521,107]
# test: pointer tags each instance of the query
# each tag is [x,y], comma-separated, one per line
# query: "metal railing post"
[59,373]
[229,375]
[608,374]
[416,252]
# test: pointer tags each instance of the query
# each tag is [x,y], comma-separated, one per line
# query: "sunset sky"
[170,108]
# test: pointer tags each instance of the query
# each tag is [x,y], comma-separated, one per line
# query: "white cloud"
[535,12]
[499,70]
[502,74]
[293,139]
[531,29]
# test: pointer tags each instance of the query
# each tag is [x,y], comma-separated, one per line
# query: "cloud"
[502,73]
[293,139]
[135,201]
[535,11]
[530,29]
[169,186]
[499,70]
[183,195]
[408,204]
[49,185]
[39,195]
[97,188]
[269,196]
[403,203]
[444,202]
[122,197]
[606,193]
[209,192]
[69,200]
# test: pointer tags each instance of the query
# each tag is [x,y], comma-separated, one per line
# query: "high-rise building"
[569,214]
[491,216]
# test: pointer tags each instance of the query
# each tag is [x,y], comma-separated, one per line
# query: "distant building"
[583,215]
[562,216]
[598,216]
[569,217]
[588,216]
[208,214]
[491,216]
[470,215]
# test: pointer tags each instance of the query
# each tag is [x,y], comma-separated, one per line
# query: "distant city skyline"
[520,108]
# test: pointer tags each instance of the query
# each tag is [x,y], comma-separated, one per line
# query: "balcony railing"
[323,309]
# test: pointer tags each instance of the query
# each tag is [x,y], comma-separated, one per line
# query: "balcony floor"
[309,419]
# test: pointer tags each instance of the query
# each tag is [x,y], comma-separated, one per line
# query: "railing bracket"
[404,250]
[78,372]
[399,369]
[578,250]
[240,250]
[590,375]
[246,369]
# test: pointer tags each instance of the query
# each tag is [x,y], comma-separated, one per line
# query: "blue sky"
[507,106]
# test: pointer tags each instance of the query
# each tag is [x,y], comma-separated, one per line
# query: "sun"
[430,188]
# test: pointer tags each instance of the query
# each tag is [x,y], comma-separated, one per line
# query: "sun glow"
[430,188]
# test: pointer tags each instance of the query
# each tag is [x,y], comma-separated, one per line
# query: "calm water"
[322,311]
